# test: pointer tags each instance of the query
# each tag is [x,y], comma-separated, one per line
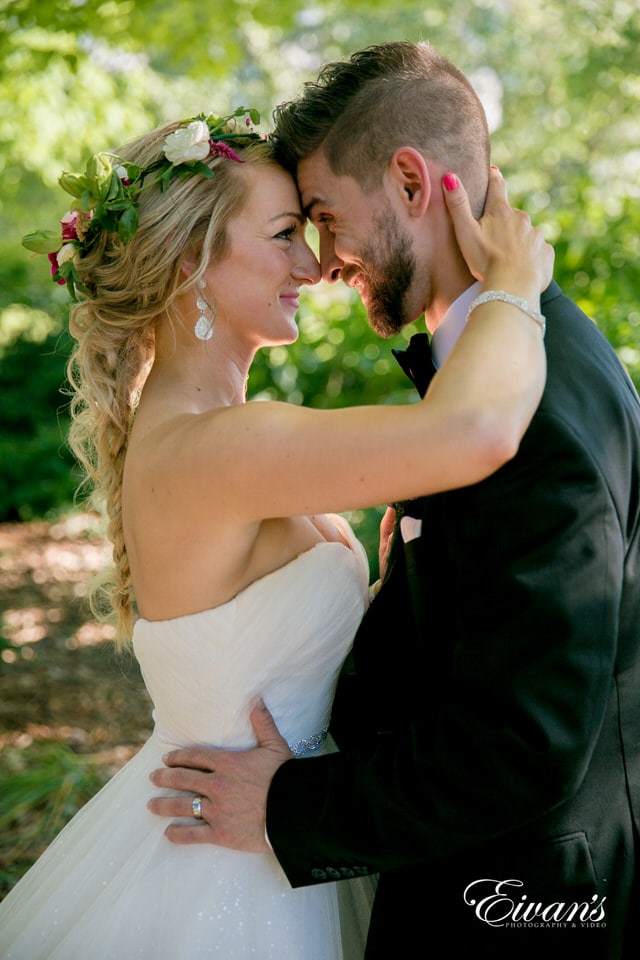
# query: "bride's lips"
[291,299]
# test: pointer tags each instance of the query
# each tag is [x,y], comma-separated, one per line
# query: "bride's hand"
[503,240]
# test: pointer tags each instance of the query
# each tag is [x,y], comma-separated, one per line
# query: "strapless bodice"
[284,638]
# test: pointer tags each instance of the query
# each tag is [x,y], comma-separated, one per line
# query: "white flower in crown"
[109,189]
[67,252]
[188,143]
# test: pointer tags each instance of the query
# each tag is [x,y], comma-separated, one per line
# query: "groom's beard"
[391,267]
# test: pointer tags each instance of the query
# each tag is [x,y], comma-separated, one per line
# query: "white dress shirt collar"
[452,325]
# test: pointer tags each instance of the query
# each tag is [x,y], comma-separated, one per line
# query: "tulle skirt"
[112,887]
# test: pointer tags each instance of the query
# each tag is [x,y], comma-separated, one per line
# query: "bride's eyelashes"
[287,234]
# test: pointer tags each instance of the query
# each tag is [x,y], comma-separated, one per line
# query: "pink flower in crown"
[68,224]
[122,173]
[218,148]
[53,260]
[75,225]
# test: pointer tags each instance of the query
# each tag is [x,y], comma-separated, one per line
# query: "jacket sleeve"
[522,620]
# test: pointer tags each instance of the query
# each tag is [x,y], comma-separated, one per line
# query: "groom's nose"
[330,263]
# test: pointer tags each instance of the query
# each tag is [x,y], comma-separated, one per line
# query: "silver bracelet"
[489,295]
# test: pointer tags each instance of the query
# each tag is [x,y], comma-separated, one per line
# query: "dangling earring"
[204,324]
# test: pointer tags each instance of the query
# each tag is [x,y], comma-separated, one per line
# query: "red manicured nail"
[450,182]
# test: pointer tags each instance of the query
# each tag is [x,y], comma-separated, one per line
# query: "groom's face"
[362,243]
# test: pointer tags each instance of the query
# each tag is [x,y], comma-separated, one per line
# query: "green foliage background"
[561,81]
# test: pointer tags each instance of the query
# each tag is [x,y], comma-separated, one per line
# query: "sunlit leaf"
[43,241]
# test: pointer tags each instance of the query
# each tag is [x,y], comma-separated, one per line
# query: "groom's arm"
[521,695]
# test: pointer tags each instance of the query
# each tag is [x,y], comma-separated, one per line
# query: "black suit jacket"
[490,729]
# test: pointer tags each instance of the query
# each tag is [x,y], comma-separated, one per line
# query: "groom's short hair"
[360,110]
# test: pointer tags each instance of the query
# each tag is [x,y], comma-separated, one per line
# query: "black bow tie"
[416,361]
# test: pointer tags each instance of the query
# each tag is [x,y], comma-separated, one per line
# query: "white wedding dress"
[112,887]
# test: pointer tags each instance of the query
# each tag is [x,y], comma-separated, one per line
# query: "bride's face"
[255,288]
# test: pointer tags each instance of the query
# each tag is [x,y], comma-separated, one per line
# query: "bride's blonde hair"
[130,288]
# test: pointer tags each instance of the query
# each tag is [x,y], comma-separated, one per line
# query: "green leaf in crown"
[108,190]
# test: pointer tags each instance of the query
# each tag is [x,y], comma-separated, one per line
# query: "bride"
[187,253]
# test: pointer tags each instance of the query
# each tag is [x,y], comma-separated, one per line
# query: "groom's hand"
[233,786]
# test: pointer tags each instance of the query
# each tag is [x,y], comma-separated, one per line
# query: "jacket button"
[332,872]
[318,874]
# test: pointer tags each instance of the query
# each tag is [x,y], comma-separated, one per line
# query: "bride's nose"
[307,268]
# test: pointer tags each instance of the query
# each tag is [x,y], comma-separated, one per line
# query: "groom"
[490,731]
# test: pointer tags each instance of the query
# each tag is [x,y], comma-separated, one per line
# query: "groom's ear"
[409,174]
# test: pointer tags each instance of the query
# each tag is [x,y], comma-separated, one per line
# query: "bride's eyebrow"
[293,213]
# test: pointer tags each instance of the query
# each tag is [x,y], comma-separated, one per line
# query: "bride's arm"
[276,459]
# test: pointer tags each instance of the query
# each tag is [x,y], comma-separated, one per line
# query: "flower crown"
[107,192]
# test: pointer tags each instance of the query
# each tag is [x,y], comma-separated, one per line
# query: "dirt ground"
[60,678]
[71,711]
